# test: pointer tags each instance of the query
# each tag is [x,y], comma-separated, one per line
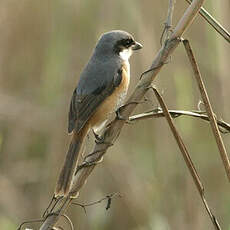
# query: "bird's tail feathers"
[66,176]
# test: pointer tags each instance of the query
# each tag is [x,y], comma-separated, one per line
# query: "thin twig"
[168,23]
[209,110]
[214,23]
[108,198]
[68,220]
[186,157]
[53,217]
[156,113]
[29,222]
[49,205]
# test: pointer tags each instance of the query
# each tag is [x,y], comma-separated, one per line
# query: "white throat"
[125,54]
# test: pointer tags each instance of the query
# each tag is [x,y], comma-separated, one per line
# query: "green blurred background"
[44,45]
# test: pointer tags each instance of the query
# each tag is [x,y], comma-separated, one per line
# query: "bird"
[101,90]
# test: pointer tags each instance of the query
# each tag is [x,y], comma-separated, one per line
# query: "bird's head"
[117,42]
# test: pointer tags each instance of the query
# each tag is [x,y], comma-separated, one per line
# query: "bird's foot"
[98,138]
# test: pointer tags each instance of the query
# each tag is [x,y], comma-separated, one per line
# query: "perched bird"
[101,90]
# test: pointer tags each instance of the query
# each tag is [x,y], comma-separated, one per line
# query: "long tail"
[65,178]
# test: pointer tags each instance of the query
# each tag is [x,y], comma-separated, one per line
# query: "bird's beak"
[136,46]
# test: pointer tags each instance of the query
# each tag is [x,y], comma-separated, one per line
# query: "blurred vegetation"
[44,46]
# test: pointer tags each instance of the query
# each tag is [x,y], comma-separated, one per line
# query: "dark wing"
[83,105]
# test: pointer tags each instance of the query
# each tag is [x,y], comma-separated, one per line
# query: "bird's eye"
[128,42]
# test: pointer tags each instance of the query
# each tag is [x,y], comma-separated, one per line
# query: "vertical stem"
[209,110]
[214,23]
[187,158]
